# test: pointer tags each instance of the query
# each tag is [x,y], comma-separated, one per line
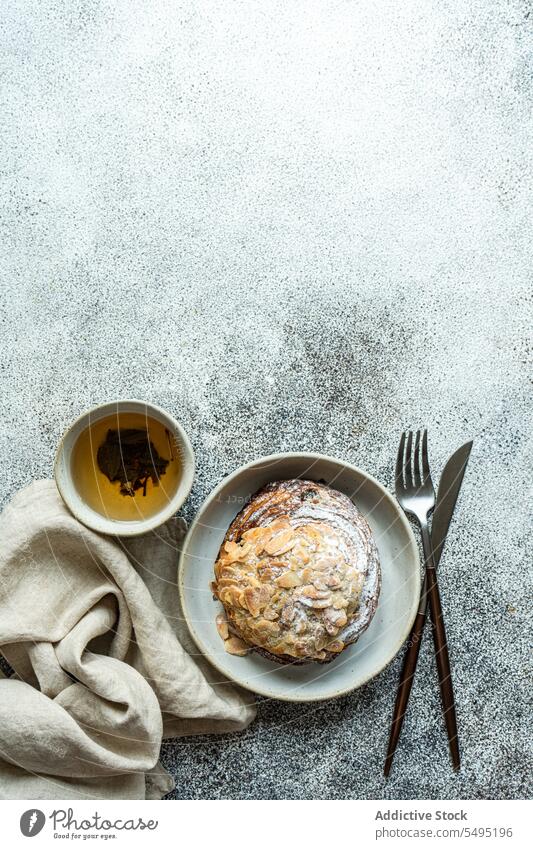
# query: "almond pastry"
[298,574]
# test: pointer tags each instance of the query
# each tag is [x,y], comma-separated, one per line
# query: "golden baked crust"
[298,574]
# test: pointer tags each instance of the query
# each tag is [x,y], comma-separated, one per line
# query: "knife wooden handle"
[441,650]
[406,680]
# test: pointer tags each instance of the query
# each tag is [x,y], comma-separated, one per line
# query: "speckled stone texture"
[295,225]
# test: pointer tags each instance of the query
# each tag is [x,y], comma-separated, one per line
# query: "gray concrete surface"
[296,225]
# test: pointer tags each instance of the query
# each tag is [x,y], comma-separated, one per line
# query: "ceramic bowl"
[74,500]
[398,600]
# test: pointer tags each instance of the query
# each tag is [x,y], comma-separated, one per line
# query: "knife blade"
[447,493]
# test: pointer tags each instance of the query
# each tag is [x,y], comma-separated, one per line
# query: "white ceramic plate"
[398,601]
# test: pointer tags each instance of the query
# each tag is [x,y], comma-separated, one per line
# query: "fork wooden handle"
[406,681]
[441,649]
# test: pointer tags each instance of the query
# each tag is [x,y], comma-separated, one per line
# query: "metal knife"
[448,490]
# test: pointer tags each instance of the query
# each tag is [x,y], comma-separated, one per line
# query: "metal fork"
[416,495]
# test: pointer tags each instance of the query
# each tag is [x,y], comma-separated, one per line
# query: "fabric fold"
[104,664]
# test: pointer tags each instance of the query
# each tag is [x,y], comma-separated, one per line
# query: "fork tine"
[399,462]
[409,460]
[425,463]
[416,462]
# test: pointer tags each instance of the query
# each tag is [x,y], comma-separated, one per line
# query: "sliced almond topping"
[310,591]
[318,604]
[301,552]
[235,552]
[289,580]
[335,645]
[226,582]
[252,599]
[337,616]
[265,626]
[289,589]
[312,534]
[222,626]
[332,581]
[267,569]
[288,613]
[226,596]
[326,563]
[262,540]
[281,542]
[254,534]
[265,594]
[334,620]
[253,581]
[280,523]
[234,645]
[267,574]
[228,572]
[231,596]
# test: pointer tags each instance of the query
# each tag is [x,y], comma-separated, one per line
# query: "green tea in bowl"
[124,468]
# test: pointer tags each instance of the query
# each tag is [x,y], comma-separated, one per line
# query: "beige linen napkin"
[104,665]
